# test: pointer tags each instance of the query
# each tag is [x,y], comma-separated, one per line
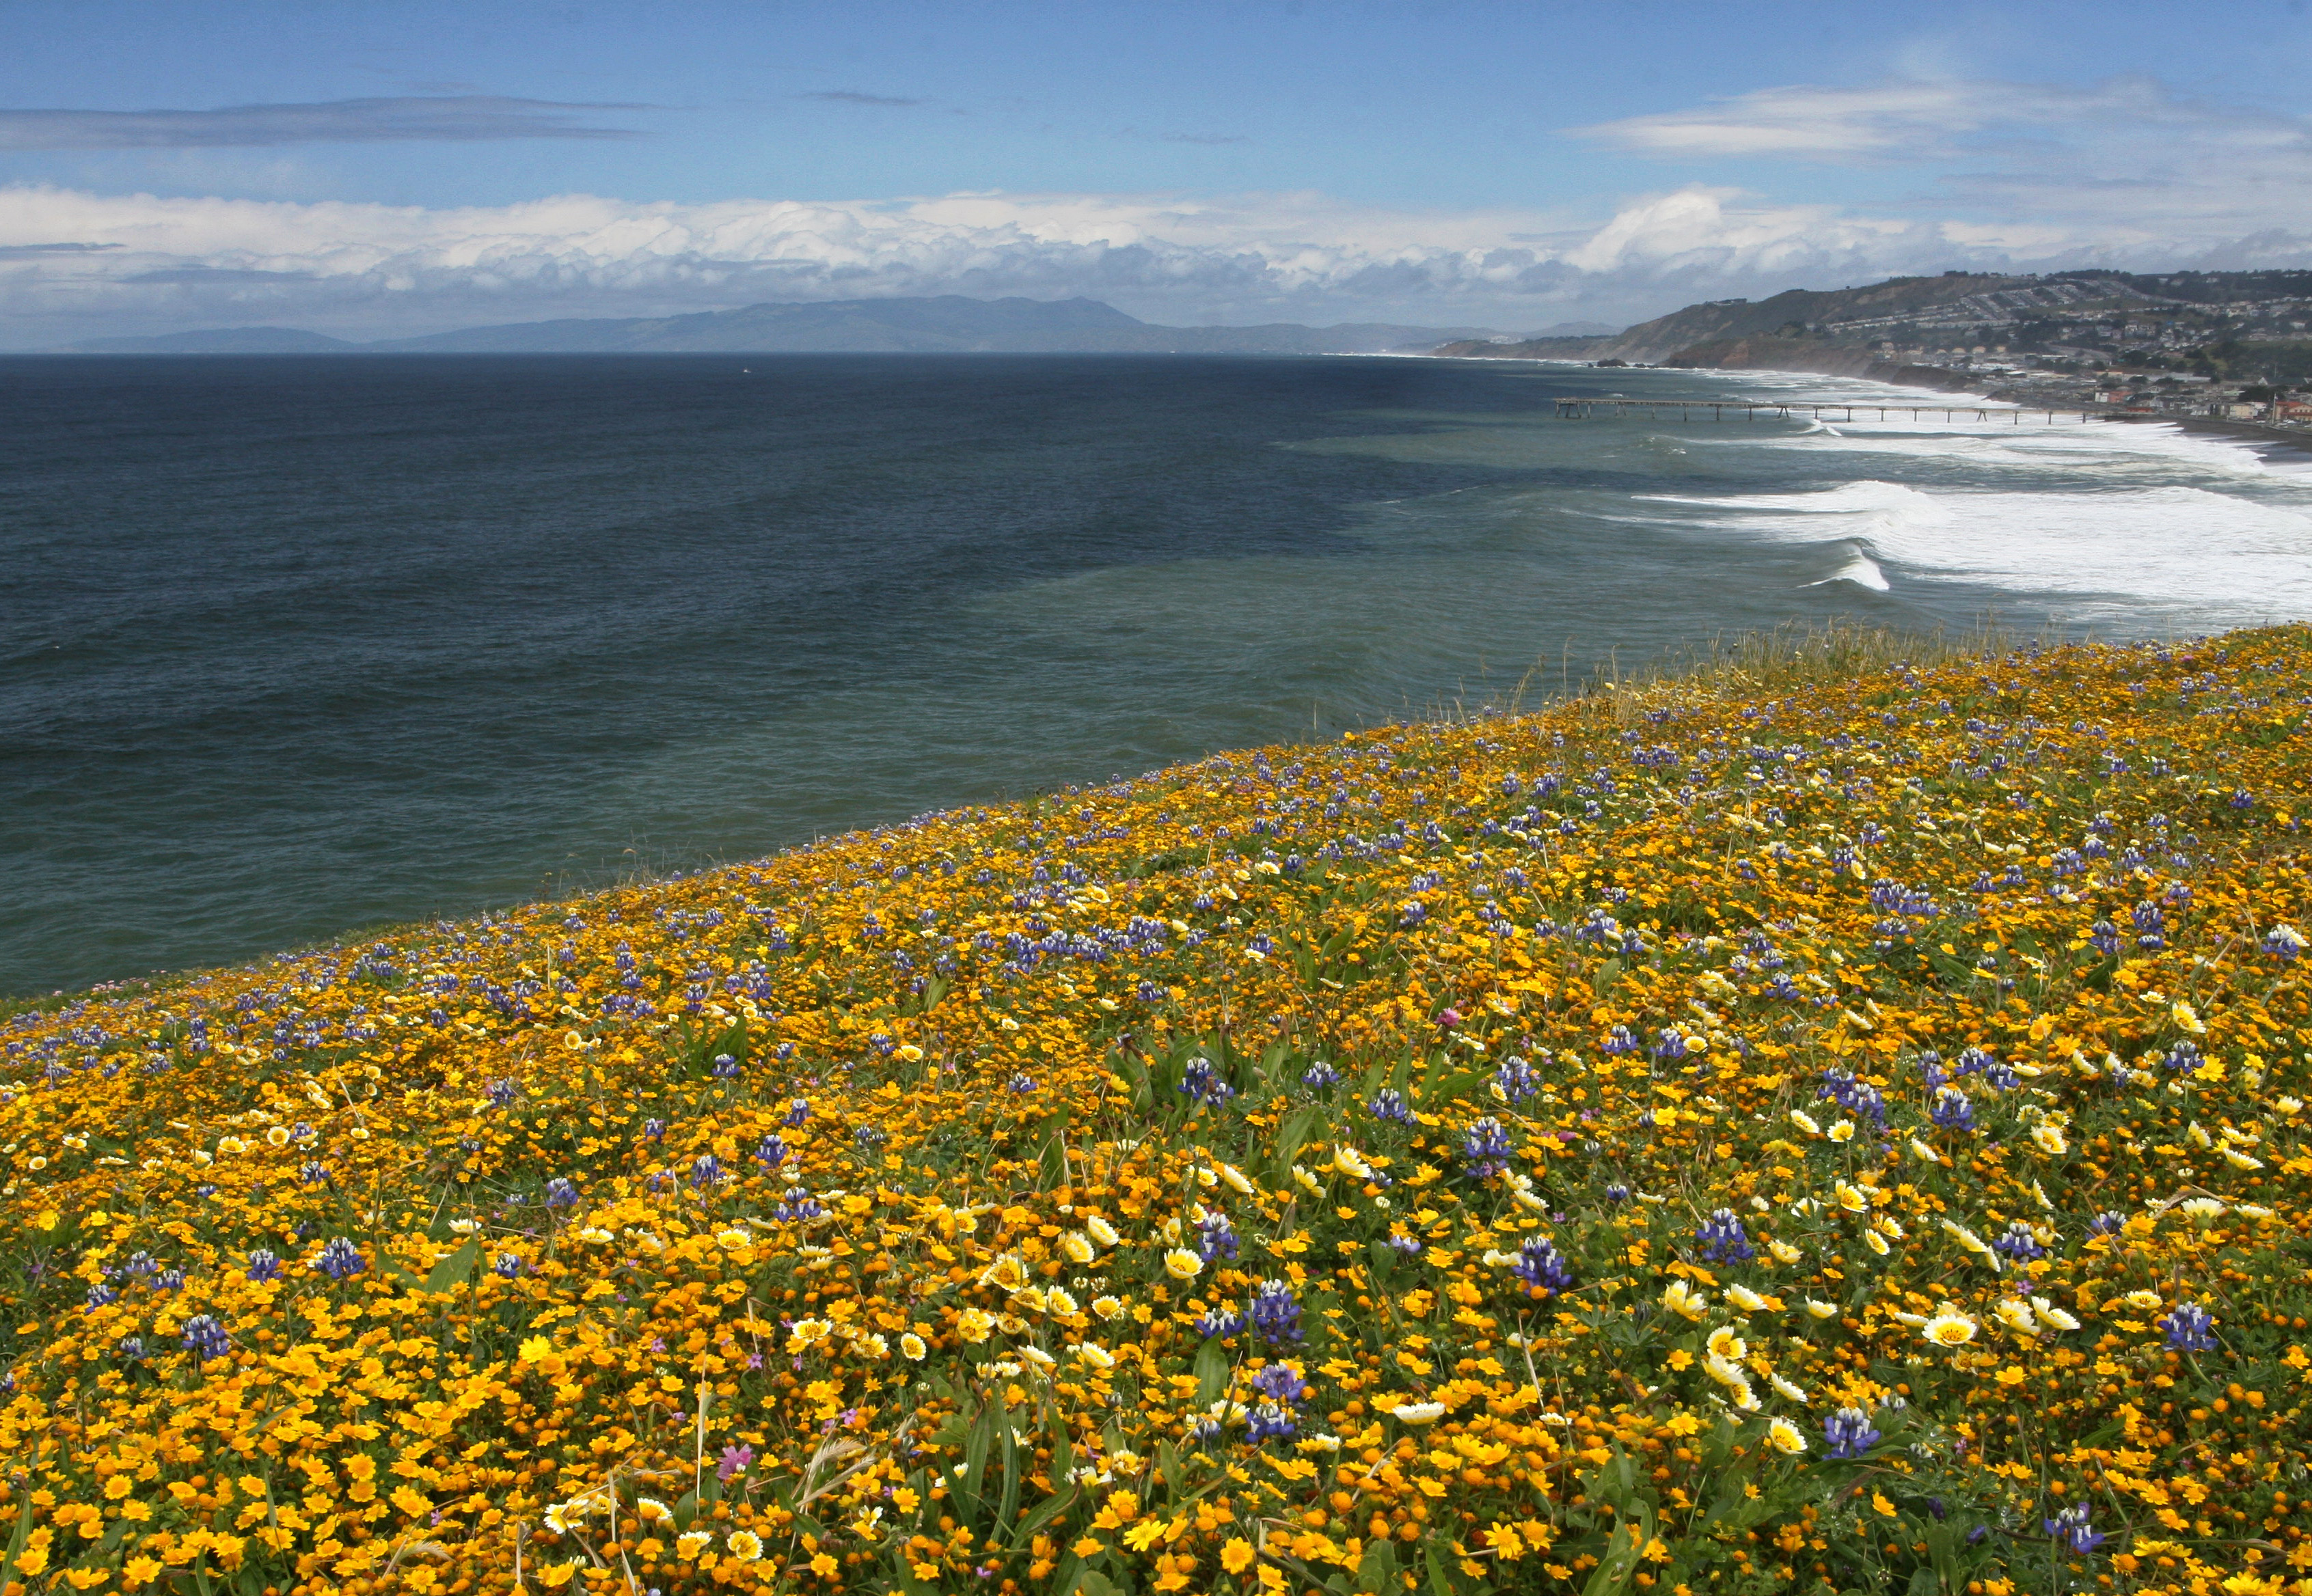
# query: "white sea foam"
[2139,525]
[1858,568]
[2184,552]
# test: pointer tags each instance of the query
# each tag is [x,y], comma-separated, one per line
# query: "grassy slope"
[894,1254]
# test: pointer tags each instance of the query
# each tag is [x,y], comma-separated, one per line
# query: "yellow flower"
[1724,1343]
[1348,1162]
[2048,1140]
[2184,1016]
[1107,1307]
[1059,1303]
[688,1546]
[1097,1356]
[1784,1437]
[1182,1264]
[1855,1199]
[1237,1556]
[973,1324]
[1784,1253]
[1875,1242]
[745,1545]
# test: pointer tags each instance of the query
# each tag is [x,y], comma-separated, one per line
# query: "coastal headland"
[1832,1116]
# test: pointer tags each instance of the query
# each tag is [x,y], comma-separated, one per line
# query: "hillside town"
[2231,346]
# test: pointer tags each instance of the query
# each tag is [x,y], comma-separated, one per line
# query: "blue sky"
[398,167]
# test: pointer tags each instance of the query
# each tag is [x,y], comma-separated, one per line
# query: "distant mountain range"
[948,324]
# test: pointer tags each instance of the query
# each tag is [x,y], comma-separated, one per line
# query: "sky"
[388,170]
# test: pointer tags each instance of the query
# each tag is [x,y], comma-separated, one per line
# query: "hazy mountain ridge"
[944,323]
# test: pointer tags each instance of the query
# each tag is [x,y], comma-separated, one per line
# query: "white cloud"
[2123,165]
[2121,175]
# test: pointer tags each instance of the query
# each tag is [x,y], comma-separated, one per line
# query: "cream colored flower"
[1745,1299]
[1077,1247]
[912,1345]
[1182,1264]
[1417,1413]
[1949,1328]
[2049,1140]
[2016,1315]
[1685,1301]
[1784,1437]
[1842,1132]
[1804,1122]
[1795,1393]
[1784,1253]
[1101,1231]
[1724,1343]
[1920,1150]
[1821,1309]
[2051,1314]
[1107,1307]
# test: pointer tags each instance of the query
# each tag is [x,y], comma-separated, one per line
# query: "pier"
[1577,409]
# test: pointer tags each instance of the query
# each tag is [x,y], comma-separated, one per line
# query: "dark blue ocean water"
[294,646]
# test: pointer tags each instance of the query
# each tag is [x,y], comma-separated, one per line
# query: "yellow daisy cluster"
[1849,1139]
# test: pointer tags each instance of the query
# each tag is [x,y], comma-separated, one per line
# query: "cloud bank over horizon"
[2030,178]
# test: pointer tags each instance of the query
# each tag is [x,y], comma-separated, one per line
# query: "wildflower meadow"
[1840,1131]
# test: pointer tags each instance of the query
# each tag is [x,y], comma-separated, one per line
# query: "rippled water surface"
[291,646]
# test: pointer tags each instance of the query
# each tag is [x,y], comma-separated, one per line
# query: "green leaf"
[976,1451]
[452,1272]
[1299,1128]
[1613,1575]
[24,1526]
[1211,1374]
[1377,1571]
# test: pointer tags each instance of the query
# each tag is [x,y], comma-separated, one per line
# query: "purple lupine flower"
[2189,1328]
[1542,1266]
[1849,1432]
[1275,1316]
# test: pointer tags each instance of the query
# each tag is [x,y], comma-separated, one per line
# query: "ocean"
[297,646]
